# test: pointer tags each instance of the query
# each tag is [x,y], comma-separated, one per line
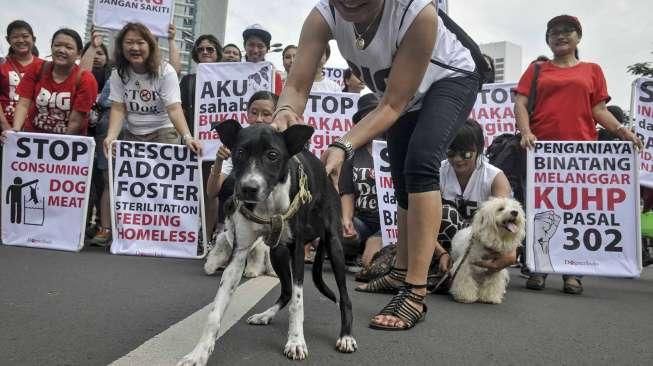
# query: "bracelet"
[345,146]
[187,136]
[620,128]
[285,107]
[213,170]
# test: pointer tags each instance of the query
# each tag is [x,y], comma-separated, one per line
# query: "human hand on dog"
[332,158]
[285,117]
[495,262]
[223,153]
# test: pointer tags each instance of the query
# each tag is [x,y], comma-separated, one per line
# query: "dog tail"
[317,273]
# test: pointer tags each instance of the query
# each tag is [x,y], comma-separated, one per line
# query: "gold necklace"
[360,40]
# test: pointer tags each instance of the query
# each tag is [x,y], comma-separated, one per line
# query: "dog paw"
[210,267]
[464,300]
[296,350]
[192,359]
[259,319]
[490,300]
[251,274]
[346,344]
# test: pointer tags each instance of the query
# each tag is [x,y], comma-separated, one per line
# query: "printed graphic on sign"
[642,112]
[385,193]
[331,116]
[156,201]
[583,209]
[335,74]
[222,92]
[45,188]
[154,14]
[493,110]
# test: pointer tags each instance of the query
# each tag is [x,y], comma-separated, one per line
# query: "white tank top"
[477,191]
[374,62]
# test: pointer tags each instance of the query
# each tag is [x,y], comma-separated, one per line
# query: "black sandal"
[383,285]
[400,308]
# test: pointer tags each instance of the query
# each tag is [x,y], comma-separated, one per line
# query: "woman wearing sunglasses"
[207,48]
[467,179]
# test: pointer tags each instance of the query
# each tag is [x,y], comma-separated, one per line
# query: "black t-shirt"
[187,89]
[357,178]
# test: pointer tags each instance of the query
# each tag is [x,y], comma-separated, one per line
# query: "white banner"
[222,91]
[385,193]
[45,188]
[335,74]
[494,110]
[154,14]
[642,114]
[583,209]
[156,200]
[331,115]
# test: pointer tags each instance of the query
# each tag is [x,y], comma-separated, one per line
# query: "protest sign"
[154,14]
[385,193]
[493,110]
[45,185]
[335,74]
[156,200]
[222,91]
[331,116]
[583,209]
[642,114]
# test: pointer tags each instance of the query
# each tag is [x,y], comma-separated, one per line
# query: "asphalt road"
[93,308]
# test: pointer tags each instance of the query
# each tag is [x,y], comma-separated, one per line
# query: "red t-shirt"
[565,97]
[11,71]
[53,102]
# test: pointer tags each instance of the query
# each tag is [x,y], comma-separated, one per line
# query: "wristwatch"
[345,146]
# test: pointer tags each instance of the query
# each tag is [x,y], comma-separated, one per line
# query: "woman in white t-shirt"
[145,93]
[426,72]
[323,84]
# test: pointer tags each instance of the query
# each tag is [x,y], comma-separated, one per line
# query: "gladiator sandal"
[400,308]
[384,284]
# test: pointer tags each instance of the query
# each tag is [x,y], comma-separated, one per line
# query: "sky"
[616,33]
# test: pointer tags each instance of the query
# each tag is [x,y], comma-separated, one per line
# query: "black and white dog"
[272,169]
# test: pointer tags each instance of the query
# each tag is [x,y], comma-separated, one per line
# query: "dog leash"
[455,272]
[277,222]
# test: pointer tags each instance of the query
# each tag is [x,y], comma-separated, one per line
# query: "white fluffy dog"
[258,259]
[497,229]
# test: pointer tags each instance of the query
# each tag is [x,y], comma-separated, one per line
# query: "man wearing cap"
[360,209]
[570,98]
[256,41]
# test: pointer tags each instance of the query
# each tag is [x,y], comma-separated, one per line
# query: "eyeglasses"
[205,49]
[567,31]
[465,155]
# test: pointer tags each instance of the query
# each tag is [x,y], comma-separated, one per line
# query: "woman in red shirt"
[57,97]
[21,43]
[571,98]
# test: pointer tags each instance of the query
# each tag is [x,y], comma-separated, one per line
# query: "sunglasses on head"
[206,49]
[465,155]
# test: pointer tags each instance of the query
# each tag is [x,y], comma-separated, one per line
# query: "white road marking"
[169,346]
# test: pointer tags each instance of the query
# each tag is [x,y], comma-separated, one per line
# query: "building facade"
[507,60]
[191,17]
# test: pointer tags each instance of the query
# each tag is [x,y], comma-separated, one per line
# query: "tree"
[641,69]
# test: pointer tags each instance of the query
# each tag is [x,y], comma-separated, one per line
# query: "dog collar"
[278,222]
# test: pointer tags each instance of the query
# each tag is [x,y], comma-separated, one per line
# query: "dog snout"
[249,190]
[514,213]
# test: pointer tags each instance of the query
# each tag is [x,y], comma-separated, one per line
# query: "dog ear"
[296,137]
[228,132]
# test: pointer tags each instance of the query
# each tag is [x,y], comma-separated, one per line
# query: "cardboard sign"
[45,188]
[154,14]
[583,209]
[331,116]
[385,193]
[156,200]
[493,110]
[222,91]
[642,115]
